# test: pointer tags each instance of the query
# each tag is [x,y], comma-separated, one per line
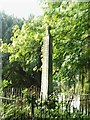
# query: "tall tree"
[69,24]
[25,53]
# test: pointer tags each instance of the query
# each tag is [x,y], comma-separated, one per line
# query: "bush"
[16,112]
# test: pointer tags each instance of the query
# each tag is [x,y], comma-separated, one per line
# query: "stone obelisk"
[46,79]
[0,66]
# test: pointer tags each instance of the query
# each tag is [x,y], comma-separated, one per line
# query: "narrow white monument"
[46,80]
[0,67]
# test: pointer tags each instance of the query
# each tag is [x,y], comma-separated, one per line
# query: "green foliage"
[71,46]
[71,57]
[22,53]
[13,112]
[7,23]
[70,31]
[25,47]
[6,83]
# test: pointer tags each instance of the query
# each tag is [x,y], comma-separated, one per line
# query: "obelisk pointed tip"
[48,28]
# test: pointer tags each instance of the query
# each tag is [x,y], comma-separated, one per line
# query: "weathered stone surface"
[46,80]
[0,66]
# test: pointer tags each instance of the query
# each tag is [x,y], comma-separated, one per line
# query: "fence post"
[32,107]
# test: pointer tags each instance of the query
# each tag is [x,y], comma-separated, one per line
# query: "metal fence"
[26,104]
